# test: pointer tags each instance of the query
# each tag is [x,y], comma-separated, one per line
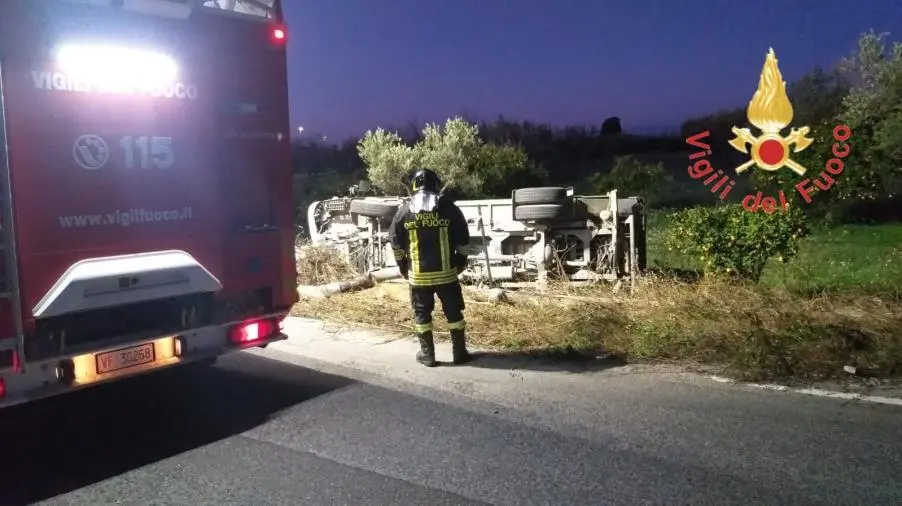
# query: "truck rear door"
[131,129]
[109,132]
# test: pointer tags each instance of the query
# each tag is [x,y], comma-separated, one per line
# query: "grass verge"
[836,304]
[861,259]
[748,332]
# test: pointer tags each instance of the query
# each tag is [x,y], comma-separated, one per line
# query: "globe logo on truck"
[90,152]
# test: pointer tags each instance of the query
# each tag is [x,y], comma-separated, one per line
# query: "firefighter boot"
[426,355]
[459,346]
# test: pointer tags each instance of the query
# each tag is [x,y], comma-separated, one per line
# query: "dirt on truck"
[145,178]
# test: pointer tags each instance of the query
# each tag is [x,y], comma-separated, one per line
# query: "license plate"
[125,358]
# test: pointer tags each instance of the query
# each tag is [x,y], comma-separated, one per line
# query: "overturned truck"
[537,234]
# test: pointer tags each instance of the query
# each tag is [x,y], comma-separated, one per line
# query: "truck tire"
[540,195]
[373,209]
[543,212]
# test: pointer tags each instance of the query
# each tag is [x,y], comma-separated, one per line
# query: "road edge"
[350,336]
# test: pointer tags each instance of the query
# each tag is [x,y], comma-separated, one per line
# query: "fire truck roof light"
[279,34]
[114,65]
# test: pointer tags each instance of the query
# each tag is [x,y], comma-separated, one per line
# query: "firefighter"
[430,240]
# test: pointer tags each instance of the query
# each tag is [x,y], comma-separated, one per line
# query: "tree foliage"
[502,165]
[452,151]
[388,159]
[629,176]
[873,110]
[730,241]
[455,151]
[864,93]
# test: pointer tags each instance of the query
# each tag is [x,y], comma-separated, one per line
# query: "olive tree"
[387,160]
[453,150]
[872,112]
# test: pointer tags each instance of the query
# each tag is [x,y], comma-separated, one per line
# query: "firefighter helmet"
[425,179]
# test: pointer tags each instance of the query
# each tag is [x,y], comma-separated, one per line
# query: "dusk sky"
[359,64]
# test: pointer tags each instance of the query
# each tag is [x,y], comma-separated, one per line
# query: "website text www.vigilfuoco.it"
[125,218]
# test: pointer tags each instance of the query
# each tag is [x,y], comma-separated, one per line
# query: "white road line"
[849,396]
[721,379]
[817,392]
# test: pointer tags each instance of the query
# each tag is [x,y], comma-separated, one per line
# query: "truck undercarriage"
[536,235]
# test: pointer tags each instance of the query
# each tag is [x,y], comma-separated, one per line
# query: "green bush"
[630,176]
[729,240]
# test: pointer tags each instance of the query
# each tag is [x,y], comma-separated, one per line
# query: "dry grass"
[322,264]
[753,331]
[761,333]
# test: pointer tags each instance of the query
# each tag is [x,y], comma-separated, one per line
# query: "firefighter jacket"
[426,242]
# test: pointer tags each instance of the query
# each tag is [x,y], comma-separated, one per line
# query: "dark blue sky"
[359,64]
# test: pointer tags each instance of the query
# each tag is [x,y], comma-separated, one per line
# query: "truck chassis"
[536,235]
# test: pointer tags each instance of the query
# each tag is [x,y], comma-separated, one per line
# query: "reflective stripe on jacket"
[427,241]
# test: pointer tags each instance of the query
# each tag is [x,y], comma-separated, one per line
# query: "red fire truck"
[145,182]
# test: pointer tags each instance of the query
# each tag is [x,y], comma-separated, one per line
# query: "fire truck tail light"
[249,332]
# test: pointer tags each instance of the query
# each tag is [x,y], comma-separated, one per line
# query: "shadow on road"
[572,361]
[60,444]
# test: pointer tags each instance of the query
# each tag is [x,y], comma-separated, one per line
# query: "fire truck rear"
[145,181]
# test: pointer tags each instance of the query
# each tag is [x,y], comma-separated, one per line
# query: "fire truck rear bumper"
[48,378]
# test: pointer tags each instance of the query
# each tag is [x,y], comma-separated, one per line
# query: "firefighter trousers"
[422,300]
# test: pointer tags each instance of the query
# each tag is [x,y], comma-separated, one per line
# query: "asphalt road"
[257,431]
